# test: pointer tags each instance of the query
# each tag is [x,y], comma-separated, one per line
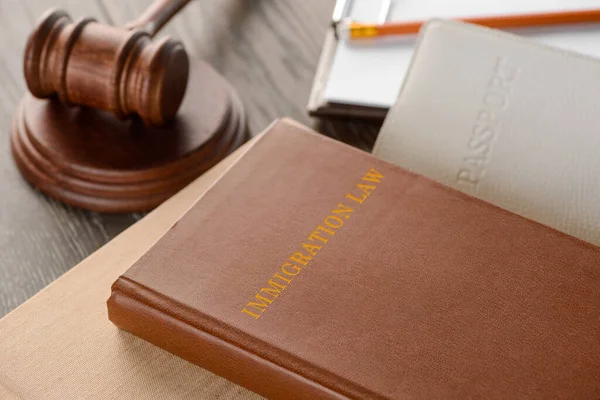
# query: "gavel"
[118,69]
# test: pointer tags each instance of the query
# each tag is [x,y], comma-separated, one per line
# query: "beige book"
[505,119]
[60,345]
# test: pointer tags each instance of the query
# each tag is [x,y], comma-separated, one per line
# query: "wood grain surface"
[267,49]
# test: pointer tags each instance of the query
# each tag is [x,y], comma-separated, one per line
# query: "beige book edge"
[61,345]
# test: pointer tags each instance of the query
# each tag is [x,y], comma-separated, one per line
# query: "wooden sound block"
[90,159]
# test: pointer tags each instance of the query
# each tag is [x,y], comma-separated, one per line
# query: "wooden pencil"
[359,31]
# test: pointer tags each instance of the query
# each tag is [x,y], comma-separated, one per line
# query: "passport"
[313,270]
[505,119]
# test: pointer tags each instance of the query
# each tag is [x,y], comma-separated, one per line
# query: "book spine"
[210,352]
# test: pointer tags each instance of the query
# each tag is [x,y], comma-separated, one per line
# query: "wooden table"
[268,50]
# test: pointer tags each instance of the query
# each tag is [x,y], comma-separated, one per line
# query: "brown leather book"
[312,270]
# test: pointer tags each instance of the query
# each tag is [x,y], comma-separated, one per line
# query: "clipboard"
[374,85]
[318,105]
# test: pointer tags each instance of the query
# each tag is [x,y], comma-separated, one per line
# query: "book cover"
[504,119]
[312,270]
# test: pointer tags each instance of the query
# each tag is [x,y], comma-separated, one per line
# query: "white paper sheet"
[371,74]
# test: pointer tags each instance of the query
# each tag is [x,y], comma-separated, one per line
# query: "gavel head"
[106,67]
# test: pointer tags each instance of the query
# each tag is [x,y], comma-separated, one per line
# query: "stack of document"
[364,79]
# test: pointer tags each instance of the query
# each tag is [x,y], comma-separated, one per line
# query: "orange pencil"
[358,31]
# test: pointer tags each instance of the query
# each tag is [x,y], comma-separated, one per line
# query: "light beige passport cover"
[505,119]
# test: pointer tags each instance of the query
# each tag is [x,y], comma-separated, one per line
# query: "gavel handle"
[157,15]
